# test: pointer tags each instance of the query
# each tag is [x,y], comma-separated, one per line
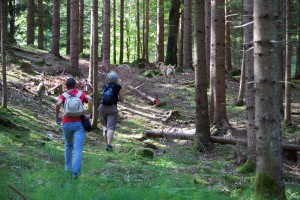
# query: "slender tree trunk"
[121,60]
[94,60]
[3,8]
[74,55]
[250,93]
[240,99]
[56,28]
[30,22]
[171,56]
[115,32]
[68,27]
[207,36]
[297,73]
[228,65]
[287,106]
[146,45]
[138,29]
[180,44]
[106,33]
[217,62]
[41,24]
[269,183]
[187,35]
[202,136]
[280,54]
[12,17]
[81,26]
[160,32]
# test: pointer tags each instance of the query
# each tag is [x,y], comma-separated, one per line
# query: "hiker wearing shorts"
[72,128]
[109,112]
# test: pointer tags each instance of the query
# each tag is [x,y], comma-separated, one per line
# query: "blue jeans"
[74,135]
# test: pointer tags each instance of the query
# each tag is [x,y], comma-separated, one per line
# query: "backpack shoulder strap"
[66,95]
[79,93]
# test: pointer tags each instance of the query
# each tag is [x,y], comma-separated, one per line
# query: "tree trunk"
[281,61]
[249,67]
[30,22]
[41,24]
[207,36]
[68,27]
[74,56]
[12,18]
[56,28]
[106,33]
[287,106]
[217,62]
[227,36]
[138,48]
[240,99]
[3,7]
[81,26]
[180,44]
[115,32]
[171,55]
[202,136]
[147,20]
[297,73]
[94,60]
[160,32]
[187,35]
[269,183]
[121,60]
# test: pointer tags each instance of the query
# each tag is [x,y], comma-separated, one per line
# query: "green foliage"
[248,167]
[150,73]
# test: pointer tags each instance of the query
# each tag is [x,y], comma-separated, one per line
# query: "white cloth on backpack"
[73,106]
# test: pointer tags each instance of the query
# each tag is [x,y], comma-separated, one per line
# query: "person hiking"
[111,94]
[72,128]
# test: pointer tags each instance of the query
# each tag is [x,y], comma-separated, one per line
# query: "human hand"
[58,121]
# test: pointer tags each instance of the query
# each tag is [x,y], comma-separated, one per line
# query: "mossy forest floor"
[32,155]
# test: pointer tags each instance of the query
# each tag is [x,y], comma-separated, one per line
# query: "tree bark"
[180,43]
[74,56]
[12,18]
[41,24]
[297,73]
[3,7]
[249,67]
[202,136]
[228,65]
[106,33]
[207,36]
[287,94]
[240,99]
[217,61]
[269,183]
[147,21]
[81,26]
[138,48]
[115,32]
[56,28]
[187,35]
[160,32]
[171,55]
[30,22]
[68,27]
[94,61]
[121,59]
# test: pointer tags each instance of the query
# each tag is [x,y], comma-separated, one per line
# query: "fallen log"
[214,139]
[151,99]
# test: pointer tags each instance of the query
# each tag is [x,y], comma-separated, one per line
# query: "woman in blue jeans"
[72,128]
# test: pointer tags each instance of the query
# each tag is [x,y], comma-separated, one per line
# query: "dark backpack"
[107,95]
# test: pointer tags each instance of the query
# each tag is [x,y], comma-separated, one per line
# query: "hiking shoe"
[74,175]
[108,147]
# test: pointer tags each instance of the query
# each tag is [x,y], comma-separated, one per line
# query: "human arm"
[57,110]
[121,95]
[89,100]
